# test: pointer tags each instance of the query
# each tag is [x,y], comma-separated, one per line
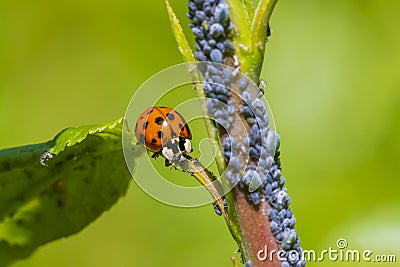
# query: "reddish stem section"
[253,220]
[258,240]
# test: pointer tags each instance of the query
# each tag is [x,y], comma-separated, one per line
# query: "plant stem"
[248,223]
[256,230]
[253,220]
[250,37]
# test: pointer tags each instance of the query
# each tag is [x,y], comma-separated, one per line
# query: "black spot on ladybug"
[170,116]
[136,127]
[181,126]
[159,120]
[141,117]
[182,144]
[160,134]
[142,139]
[150,111]
[153,141]
[145,125]
[173,134]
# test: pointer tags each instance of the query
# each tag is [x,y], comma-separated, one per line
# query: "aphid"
[262,86]
[45,157]
[217,209]
[268,32]
[221,13]
[216,30]
[216,56]
[244,82]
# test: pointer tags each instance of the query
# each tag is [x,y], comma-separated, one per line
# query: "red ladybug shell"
[156,125]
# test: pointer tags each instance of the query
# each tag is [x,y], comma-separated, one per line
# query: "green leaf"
[39,202]
[180,37]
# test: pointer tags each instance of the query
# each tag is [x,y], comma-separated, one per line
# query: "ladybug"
[157,126]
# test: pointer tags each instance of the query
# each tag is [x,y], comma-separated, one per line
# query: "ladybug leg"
[167,163]
[156,154]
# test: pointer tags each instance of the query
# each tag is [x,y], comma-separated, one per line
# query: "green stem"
[250,38]
[212,131]
[242,35]
[209,181]
[261,20]
[259,34]
[232,222]
[188,56]
[250,8]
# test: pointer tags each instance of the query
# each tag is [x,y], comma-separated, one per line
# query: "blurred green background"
[333,70]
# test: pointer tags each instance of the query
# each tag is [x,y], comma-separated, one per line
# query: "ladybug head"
[176,147]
